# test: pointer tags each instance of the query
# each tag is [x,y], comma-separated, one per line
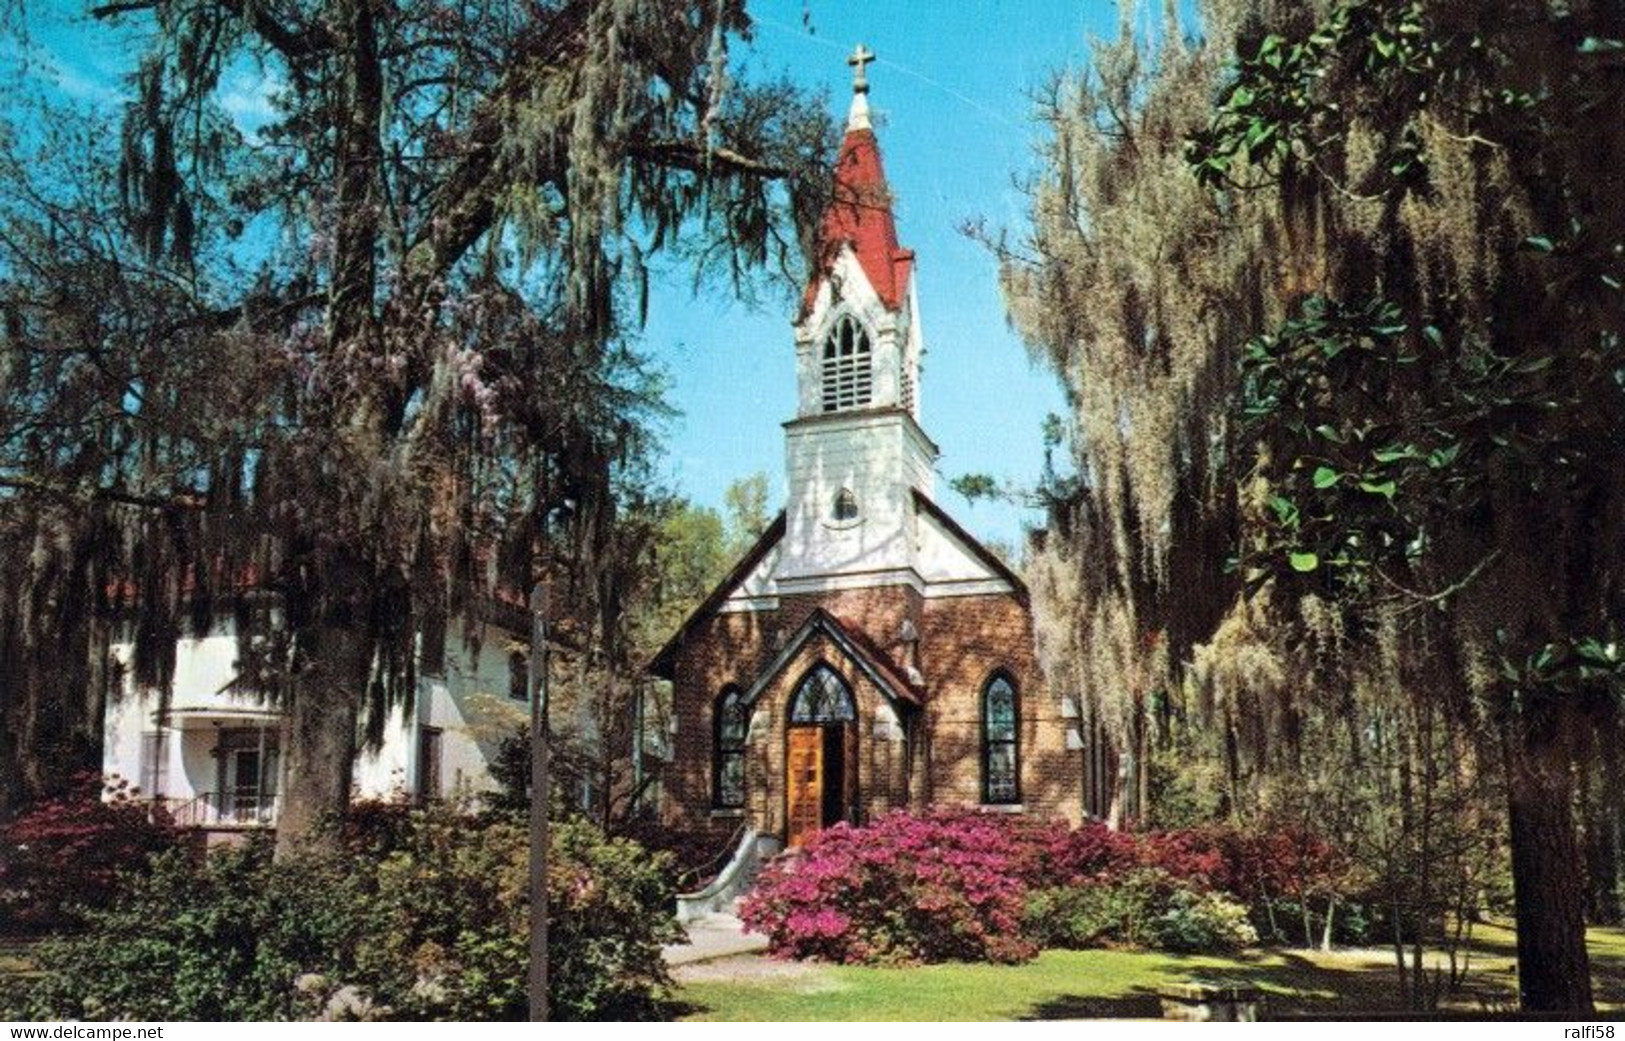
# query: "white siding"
[469,704]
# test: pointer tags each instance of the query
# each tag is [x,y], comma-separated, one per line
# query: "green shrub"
[1144,907]
[612,911]
[436,928]
[454,936]
[1200,922]
[217,938]
[1102,913]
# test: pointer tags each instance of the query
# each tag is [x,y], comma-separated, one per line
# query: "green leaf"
[1440,458]
[1394,453]
[1329,432]
[1386,489]
[1539,243]
[1285,510]
[1304,562]
[1600,45]
[1434,336]
[1325,477]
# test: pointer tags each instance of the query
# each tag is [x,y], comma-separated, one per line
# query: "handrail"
[709,870]
[206,809]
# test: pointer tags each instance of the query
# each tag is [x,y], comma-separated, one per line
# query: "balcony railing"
[223,810]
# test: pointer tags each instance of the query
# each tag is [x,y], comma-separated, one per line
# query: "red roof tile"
[860,215]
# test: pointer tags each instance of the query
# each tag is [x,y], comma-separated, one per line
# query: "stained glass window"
[1001,765]
[732,721]
[822,697]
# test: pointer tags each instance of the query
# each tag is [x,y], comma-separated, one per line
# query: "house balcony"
[218,771]
[222,811]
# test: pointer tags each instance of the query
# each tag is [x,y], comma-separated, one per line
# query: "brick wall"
[962,642]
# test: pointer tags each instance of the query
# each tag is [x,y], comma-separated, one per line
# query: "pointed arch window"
[822,697]
[1001,742]
[848,371]
[731,722]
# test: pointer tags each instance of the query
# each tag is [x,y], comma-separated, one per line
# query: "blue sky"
[951,88]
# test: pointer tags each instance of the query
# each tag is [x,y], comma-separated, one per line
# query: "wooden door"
[804,783]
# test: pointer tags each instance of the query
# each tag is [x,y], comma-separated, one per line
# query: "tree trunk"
[319,742]
[541,804]
[1548,876]
[1142,768]
[1606,800]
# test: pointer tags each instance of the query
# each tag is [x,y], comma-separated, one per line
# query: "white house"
[213,757]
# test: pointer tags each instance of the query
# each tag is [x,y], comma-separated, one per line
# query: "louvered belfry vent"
[848,366]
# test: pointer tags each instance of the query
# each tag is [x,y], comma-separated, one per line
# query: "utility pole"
[541,790]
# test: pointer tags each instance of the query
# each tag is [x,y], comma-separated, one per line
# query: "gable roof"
[859,215]
[869,659]
[981,552]
[661,664]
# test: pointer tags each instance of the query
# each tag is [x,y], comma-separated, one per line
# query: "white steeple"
[855,452]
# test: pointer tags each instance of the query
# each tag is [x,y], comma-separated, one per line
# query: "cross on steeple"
[860,57]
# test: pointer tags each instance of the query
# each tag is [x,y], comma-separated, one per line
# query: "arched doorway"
[821,760]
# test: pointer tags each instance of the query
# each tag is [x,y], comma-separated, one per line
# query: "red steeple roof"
[860,215]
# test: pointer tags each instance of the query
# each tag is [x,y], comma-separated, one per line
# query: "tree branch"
[1421,599]
[123,498]
[684,156]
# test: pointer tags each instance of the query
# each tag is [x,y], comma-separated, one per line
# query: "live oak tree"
[1336,291]
[1136,287]
[362,371]
[1439,417]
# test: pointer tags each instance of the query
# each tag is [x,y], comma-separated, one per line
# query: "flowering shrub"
[941,887]
[65,855]
[1091,851]
[963,885]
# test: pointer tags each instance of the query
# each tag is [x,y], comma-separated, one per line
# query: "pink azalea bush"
[942,887]
[962,885]
[66,854]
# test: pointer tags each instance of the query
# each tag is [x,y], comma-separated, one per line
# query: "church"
[867,654]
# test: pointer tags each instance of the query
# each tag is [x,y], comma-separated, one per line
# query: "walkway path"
[716,935]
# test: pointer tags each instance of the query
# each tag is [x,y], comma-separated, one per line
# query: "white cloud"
[74,82]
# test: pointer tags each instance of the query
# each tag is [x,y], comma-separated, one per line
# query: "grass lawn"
[1111,984]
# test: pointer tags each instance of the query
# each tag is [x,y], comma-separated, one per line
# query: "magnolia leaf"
[1285,510]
